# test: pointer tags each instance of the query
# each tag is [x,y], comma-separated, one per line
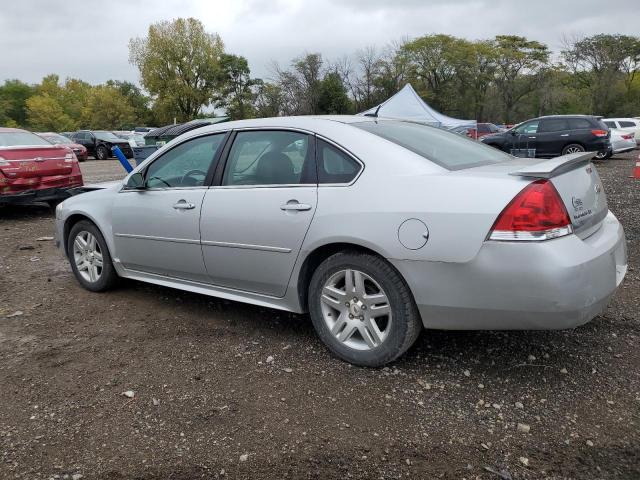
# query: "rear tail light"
[600,133]
[536,213]
[628,136]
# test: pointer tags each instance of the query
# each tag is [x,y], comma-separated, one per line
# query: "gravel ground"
[207,404]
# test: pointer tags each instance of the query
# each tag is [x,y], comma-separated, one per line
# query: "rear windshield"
[20,139]
[451,151]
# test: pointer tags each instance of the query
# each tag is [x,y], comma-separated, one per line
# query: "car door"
[523,140]
[157,228]
[552,136]
[254,221]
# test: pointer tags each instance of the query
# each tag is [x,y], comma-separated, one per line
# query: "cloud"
[89,39]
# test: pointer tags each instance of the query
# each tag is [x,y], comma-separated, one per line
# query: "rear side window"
[553,125]
[610,124]
[446,149]
[335,166]
[626,123]
[580,123]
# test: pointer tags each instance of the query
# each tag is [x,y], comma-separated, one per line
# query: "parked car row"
[33,169]
[100,142]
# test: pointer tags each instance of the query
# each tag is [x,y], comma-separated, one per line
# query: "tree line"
[185,71]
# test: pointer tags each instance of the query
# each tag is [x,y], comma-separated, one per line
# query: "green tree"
[268,100]
[604,67]
[44,113]
[135,98]
[179,65]
[519,65]
[235,92]
[107,109]
[13,102]
[333,97]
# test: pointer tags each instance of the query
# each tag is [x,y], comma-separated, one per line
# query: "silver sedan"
[376,227]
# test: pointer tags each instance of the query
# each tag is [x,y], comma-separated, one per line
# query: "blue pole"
[123,160]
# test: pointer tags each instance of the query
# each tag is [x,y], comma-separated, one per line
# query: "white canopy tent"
[407,105]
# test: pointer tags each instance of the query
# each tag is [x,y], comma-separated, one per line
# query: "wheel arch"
[70,221]
[316,256]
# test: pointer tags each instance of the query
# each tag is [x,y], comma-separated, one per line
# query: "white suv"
[625,124]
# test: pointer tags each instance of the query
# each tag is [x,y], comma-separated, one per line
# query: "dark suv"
[100,142]
[552,136]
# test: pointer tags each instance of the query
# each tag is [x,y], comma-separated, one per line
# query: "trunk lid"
[36,161]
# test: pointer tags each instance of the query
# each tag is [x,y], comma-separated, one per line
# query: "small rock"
[467,373]
[524,461]
[17,313]
[34,259]
[244,457]
[589,443]
[129,394]
[76,476]
[288,370]
[496,406]
[286,347]
[480,385]
[48,239]
[519,405]
[270,359]
[26,247]
[156,402]
[523,428]
[407,461]
[563,371]
[485,446]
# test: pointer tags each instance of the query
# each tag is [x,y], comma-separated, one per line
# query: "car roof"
[566,116]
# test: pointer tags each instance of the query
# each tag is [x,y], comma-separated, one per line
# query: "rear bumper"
[31,196]
[555,284]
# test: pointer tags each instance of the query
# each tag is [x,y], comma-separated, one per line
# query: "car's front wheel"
[102,153]
[89,257]
[362,309]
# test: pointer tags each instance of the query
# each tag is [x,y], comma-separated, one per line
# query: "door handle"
[533,137]
[293,205]
[184,205]
[564,135]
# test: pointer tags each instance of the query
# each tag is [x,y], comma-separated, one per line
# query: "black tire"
[604,155]
[405,326]
[102,152]
[572,146]
[108,277]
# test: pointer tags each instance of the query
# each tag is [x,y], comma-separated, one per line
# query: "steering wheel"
[190,174]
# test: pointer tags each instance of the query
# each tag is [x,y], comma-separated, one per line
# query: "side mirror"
[135,182]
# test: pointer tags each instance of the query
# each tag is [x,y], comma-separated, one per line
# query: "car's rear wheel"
[362,309]
[572,148]
[604,155]
[102,153]
[89,257]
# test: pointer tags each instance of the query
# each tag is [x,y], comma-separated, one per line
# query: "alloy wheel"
[87,256]
[574,150]
[356,309]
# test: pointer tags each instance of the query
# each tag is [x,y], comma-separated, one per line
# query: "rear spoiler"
[554,166]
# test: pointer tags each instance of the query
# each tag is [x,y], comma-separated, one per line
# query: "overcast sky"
[88,39]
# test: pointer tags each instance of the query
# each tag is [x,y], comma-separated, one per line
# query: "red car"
[34,170]
[57,139]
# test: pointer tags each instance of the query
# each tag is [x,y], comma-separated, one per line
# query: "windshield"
[108,136]
[56,139]
[451,151]
[21,139]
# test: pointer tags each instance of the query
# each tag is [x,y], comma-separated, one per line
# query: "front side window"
[185,165]
[528,127]
[272,157]
[446,149]
[335,166]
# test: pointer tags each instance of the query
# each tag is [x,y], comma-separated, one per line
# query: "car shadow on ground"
[25,212]
[494,353]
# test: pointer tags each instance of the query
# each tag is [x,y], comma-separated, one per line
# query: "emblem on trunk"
[577,203]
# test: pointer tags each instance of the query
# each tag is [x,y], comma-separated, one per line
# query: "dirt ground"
[208,405]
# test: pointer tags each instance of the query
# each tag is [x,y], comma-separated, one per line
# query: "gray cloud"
[89,39]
